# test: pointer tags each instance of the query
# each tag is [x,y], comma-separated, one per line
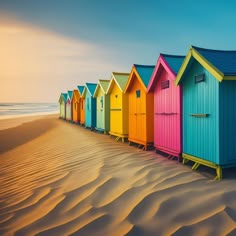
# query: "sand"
[57,178]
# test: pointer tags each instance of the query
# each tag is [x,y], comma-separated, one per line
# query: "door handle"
[199,115]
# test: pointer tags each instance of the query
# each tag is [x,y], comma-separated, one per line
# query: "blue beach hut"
[208,79]
[90,105]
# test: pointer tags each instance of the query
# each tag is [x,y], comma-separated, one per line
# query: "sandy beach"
[57,178]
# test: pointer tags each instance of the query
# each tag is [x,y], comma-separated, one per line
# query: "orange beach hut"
[119,106]
[141,106]
[81,105]
[75,106]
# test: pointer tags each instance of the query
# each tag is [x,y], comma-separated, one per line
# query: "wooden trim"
[205,63]
[198,161]
[183,67]
[229,77]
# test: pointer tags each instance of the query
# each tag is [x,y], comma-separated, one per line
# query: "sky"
[52,46]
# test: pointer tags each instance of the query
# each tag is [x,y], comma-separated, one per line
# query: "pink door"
[167,116]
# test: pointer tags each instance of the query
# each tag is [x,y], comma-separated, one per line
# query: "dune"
[57,178]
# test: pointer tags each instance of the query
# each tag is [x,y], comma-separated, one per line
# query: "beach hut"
[68,106]
[90,105]
[167,105]
[208,79]
[103,106]
[62,105]
[81,105]
[119,106]
[140,106]
[75,106]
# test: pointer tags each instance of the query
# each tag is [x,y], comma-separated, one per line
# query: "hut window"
[165,84]
[138,93]
[101,100]
[75,106]
[116,96]
[199,78]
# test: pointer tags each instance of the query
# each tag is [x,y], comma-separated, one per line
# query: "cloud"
[36,64]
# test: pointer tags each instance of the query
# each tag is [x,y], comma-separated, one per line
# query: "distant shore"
[7,122]
[62,179]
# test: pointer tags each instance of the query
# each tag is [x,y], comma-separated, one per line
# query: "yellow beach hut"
[119,105]
[75,106]
[103,106]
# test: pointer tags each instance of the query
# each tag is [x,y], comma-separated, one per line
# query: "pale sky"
[49,47]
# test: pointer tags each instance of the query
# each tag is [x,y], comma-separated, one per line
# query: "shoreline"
[7,122]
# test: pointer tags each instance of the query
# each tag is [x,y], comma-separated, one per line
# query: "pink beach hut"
[167,105]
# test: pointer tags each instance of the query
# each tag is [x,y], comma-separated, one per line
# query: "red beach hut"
[167,105]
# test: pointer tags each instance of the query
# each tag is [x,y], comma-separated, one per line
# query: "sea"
[11,110]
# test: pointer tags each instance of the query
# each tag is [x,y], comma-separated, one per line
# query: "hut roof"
[76,95]
[103,84]
[120,79]
[90,87]
[143,73]
[171,63]
[220,63]
[80,89]
[69,95]
[63,97]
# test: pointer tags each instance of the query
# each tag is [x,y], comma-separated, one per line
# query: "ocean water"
[8,110]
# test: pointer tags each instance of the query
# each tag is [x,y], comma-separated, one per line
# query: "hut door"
[140,116]
[101,113]
[199,116]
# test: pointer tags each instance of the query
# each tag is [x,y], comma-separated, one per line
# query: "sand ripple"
[65,180]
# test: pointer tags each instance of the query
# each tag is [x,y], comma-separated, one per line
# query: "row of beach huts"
[184,106]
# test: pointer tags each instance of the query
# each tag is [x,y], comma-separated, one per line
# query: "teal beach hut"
[208,79]
[62,105]
[69,106]
[90,105]
[103,106]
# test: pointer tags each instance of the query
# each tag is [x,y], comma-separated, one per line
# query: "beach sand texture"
[57,178]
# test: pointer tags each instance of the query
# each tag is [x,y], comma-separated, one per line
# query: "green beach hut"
[103,106]
[62,105]
[69,106]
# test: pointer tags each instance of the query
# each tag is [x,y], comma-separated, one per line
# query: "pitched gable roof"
[170,63]
[143,73]
[69,95]
[103,84]
[76,95]
[80,89]
[221,64]
[120,79]
[173,61]
[63,97]
[90,87]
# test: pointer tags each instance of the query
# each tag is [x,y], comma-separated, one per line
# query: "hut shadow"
[210,173]
[16,136]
